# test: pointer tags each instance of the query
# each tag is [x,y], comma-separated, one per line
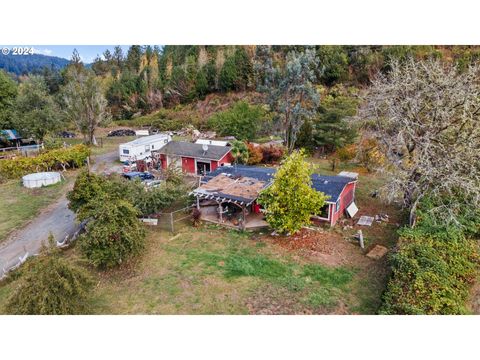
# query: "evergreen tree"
[331,128]
[8,92]
[244,69]
[50,285]
[228,75]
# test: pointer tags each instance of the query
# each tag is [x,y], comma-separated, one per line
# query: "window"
[337,206]
[165,141]
[153,147]
[126,152]
[147,148]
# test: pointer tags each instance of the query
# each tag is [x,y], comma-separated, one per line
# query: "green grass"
[105,144]
[19,205]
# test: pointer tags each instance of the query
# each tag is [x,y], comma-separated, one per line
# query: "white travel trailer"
[142,148]
[212,142]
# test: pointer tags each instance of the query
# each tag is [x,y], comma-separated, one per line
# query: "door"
[203,167]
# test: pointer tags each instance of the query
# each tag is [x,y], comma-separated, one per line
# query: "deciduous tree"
[425,116]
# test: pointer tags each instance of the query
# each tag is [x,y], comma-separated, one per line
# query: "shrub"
[272,154]
[255,154]
[86,188]
[50,285]
[113,234]
[243,121]
[56,159]
[432,272]
[347,153]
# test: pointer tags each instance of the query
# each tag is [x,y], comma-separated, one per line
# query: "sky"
[87,52]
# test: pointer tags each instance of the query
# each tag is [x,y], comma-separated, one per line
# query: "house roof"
[329,185]
[256,172]
[196,151]
[10,134]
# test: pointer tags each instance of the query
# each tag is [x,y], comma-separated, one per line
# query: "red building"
[193,158]
[341,192]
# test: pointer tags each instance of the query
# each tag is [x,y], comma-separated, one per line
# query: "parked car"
[138,175]
[149,184]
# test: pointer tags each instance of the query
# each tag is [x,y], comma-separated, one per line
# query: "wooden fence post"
[171,223]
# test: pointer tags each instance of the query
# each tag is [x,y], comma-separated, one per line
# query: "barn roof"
[180,148]
[329,185]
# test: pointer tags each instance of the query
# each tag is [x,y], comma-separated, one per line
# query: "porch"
[234,220]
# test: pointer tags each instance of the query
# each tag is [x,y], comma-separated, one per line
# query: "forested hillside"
[28,64]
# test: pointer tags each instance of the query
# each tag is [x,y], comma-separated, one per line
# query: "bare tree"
[85,104]
[425,116]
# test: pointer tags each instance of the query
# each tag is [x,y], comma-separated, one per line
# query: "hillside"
[24,64]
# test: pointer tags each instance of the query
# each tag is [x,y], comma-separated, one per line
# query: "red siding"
[346,198]
[188,165]
[213,165]
[227,159]
[163,159]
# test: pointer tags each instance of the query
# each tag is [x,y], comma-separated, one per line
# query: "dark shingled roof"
[192,150]
[259,173]
[329,185]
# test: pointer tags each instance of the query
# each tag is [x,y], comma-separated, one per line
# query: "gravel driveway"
[56,219]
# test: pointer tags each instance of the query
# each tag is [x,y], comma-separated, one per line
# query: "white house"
[142,148]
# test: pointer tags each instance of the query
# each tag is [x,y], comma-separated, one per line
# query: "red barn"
[193,158]
[341,192]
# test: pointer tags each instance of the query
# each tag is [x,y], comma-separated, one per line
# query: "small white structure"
[142,132]
[212,142]
[142,148]
[37,180]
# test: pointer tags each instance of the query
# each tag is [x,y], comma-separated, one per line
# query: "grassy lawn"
[211,270]
[106,144]
[19,205]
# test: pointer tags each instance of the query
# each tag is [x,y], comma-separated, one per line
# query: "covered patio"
[230,200]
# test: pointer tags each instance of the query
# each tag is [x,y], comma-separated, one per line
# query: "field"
[19,205]
[211,270]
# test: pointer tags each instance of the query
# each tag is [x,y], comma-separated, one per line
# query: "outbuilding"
[198,159]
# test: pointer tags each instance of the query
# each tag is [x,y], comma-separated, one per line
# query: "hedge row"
[58,159]
[433,270]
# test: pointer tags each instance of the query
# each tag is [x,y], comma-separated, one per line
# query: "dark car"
[138,175]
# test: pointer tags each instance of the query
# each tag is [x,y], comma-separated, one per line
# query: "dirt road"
[56,219]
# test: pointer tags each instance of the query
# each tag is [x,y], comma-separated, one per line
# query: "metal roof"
[10,134]
[186,149]
[145,140]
